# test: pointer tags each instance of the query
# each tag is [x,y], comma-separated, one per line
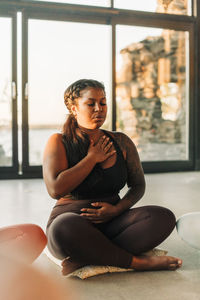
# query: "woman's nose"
[97,107]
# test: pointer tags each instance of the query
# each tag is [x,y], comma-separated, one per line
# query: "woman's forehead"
[91,92]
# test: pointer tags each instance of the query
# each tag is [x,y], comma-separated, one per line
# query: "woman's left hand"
[102,213]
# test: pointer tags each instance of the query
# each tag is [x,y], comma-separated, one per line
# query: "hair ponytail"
[70,127]
[76,142]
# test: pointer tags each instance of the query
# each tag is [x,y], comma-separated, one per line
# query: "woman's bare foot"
[69,266]
[151,263]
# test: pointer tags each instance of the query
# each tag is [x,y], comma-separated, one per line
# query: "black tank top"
[102,182]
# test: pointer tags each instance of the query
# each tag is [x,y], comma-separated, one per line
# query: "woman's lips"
[98,118]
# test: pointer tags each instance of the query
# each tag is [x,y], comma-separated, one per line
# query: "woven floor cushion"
[89,271]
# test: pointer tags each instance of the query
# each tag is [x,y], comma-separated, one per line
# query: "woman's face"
[91,108]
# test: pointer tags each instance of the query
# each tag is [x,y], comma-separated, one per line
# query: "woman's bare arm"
[136,180]
[102,211]
[59,178]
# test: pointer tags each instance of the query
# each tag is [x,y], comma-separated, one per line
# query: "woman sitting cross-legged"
[84,168]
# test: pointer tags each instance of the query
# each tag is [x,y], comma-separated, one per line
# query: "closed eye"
[93,104]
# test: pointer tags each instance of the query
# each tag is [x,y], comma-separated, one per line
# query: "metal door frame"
[100,15]
[12,171]
[168,22]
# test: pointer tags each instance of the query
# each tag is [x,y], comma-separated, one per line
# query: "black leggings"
[113,243]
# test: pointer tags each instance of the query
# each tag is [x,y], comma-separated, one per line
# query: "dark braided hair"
[76,140]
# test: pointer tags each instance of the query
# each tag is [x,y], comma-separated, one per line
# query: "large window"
[178,7]
[60,53]
[152,90]
[5,92]
[146,54]
[82,2]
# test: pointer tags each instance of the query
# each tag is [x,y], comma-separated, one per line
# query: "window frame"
[113,17]
[10,171]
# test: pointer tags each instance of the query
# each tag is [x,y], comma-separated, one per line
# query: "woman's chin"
[98,122]
[97,126]
[92,126]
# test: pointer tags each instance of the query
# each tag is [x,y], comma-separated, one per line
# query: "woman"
[84,169]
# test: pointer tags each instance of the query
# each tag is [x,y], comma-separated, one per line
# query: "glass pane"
[5,93]
[152,90]
[82,2]
[178,7]
[59,54]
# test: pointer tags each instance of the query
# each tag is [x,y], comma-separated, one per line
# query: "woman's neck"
[93,134]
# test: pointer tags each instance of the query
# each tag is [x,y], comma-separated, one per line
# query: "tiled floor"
[27,201]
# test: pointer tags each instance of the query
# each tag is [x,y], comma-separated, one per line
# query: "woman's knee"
[162,217]
[65,226]
[64,234]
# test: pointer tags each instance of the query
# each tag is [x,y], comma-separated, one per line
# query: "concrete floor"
[27,201]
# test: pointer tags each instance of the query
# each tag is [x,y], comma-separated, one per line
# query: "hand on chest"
[110,161]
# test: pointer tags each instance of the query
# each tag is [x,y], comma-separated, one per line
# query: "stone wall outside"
[151,89]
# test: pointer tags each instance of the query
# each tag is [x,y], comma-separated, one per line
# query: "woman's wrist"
[122,206]
[118,209]
[91,158]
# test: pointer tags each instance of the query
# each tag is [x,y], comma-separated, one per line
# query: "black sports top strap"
[117,147]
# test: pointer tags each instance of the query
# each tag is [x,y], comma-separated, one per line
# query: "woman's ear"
[73,109]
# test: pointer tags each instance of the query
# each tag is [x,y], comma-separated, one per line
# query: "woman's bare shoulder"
[56,137]
[121,138]
[54,143]
[54,152]
[117,134]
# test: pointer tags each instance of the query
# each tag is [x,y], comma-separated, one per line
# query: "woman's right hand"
[101,150]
